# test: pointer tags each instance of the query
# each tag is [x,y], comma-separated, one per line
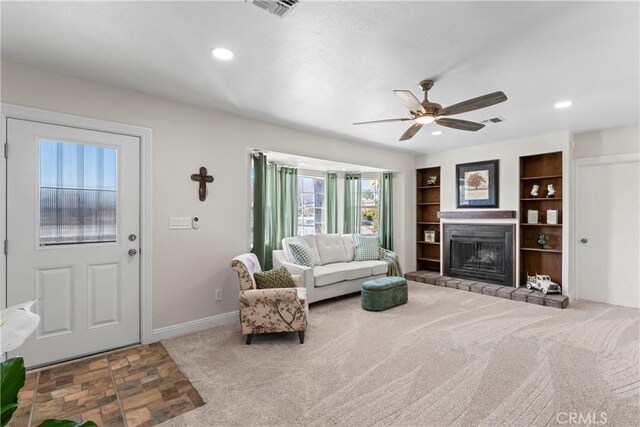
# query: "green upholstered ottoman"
[384,293]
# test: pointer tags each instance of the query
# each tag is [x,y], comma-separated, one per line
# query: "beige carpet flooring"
[447,357]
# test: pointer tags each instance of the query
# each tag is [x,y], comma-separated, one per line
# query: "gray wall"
[607,142]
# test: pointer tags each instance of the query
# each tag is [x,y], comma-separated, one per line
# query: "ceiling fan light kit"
[423,120]
[426,112]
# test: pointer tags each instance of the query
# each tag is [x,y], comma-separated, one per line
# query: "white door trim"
[603,160]
[581,163]
[145,135]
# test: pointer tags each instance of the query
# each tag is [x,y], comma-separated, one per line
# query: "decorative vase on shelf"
[431,180]
[543,239]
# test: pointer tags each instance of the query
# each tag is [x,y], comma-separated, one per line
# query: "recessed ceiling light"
[302,164]
[437,132]
[222,53]
[562,104]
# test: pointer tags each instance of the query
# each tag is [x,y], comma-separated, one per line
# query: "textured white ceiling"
[329,64]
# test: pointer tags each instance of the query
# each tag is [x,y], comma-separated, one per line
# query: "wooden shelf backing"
[541,199]
[537,262]
[529,237]
[422,174]
[541,225]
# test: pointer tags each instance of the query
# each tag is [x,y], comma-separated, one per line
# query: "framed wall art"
[477,184]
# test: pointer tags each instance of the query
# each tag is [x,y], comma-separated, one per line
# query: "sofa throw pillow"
[301,253]
[367,248]
[276,278]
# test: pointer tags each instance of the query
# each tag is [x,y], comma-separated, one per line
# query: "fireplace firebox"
[479,251]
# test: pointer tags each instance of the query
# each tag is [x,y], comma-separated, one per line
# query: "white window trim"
[315,174]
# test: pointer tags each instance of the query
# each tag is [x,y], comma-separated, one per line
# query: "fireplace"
[479,251]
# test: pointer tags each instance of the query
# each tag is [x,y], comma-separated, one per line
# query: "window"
[77,193]
[370,206]
[311,205]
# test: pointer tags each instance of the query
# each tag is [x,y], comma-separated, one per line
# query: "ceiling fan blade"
[410,101]
[473,104]
[404,119]
[460,124]
[411,131]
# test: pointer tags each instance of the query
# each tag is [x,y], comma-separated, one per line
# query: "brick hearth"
[507,292]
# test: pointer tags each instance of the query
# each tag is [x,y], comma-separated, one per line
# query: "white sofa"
[335,272]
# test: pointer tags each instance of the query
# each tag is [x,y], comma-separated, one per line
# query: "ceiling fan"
[426,112]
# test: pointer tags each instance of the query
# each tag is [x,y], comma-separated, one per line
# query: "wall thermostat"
[195,223]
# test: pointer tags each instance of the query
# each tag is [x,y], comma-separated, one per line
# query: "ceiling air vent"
[276,7]
[494,120]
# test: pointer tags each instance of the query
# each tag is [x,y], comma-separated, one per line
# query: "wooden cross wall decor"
[203,179]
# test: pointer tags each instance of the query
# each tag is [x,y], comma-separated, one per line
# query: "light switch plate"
[180,223]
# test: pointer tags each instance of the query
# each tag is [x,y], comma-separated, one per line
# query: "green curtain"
[332,202]
[352,202]
[386,211]
[259,206]
[286,211]
[275,196]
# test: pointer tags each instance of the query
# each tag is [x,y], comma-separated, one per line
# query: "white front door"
[73,216]
[607,213]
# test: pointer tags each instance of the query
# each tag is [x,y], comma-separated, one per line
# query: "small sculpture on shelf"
[551,192]
[543,239]
[542,282]
[431,180]
[534,190]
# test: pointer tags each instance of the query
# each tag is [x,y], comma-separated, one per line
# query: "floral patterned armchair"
[269,310]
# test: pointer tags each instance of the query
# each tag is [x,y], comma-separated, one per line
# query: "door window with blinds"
[78,193]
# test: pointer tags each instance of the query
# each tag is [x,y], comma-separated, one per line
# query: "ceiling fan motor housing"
[431,108]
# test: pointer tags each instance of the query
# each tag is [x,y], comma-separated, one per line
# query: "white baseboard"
[194,326]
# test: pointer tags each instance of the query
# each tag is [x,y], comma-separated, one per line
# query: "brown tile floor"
[138,386]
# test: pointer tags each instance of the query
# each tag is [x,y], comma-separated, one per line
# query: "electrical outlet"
[218,294]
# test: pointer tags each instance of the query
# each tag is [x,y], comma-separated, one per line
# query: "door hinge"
[6,247]
[6,150]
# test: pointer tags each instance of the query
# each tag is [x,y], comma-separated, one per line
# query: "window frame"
[300,203]
[80,146]
[375,222]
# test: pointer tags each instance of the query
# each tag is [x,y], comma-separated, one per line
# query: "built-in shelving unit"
[542,170]
[427,207]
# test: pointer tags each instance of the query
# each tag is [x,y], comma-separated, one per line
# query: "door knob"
[132,252]
[584,240]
